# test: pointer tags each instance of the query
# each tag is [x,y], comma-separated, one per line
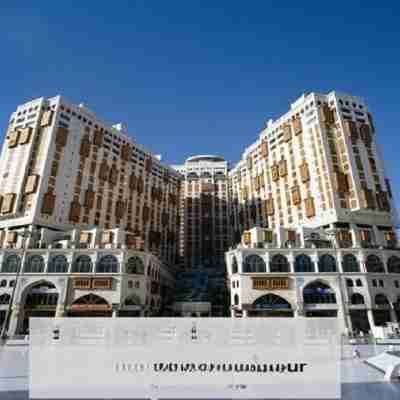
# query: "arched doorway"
[90,305]
[271,305]
[358,314]
[38,300]
[381,311]
[319,300]
[131,307]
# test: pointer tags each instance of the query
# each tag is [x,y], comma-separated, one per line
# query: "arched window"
[132,300]
[235,268]
[357,298]
[349,283]
[279,263]
[318,293]
[90,299]
[108,264]
[83,264]
[34,264]
[327,263]
[11,264]
[271,301]
[374,264]
[381,300]
[350,263]
[254,263]
[41,294]
[393,265]
[135,265]
[5,299]
[3,283]
[58,264]
[303,263]
[236,299]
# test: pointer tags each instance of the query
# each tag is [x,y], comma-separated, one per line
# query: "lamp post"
[3,334]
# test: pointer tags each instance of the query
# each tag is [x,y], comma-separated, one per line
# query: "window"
[318,293]
[5,299]
[393,265]
[135,265]
[3,283]
[83,264]
[11,264]
[374,283]
[303,263]
[381,284]
[374,264]
[279,263]
[254,263]
[236,299]
[108,264]
[357,299]
[350,263]
[381,300]
[349,283]
[396,284]
[359,283]
[327,263]
[34,264]
[234,265]
[58,264]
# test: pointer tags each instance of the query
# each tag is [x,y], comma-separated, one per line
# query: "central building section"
[204,210]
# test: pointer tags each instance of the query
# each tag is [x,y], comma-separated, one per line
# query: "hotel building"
[315,191]
[62,170]
[204,235]
[62,167]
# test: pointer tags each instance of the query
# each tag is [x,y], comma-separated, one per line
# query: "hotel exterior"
[78,194]
[205,236]
[62,167]
[93,224]
[313,212]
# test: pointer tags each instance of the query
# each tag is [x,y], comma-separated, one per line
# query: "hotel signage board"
[275,283]
[92,283]
[236,358]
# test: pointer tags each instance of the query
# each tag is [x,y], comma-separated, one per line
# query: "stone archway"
[39,299]
[271,305]
[90,305]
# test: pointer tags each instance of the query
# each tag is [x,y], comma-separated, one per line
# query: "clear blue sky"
[193,77]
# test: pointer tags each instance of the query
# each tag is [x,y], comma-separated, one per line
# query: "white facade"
[61,166]
[317,165]
[86,274]
[365,283]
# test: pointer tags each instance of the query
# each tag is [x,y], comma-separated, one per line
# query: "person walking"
[356,354]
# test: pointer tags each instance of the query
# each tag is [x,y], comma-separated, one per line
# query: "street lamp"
[3,334]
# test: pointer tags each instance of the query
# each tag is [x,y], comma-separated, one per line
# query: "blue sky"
[202,77]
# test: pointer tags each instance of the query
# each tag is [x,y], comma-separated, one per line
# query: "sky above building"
[202,77]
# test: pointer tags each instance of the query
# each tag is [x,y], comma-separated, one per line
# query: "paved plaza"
[359,381]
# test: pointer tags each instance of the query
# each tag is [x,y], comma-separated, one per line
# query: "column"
[13,321]
[393,316]
[354,235]
[245,314]
[370,319]
[60,311]
[114,313]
